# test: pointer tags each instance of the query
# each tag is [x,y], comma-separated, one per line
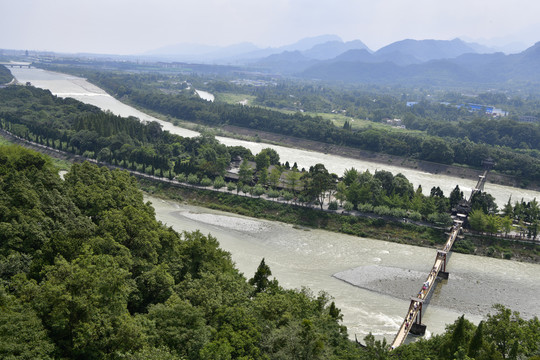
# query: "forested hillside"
[86,272]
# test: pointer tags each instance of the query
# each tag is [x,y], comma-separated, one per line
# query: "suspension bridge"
[412,322]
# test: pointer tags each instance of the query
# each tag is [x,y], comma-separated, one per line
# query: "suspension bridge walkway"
[413,319]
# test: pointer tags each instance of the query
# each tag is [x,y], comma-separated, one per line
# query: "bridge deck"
[416,303]
[415,307]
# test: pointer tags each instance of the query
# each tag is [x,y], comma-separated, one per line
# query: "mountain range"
[328,57]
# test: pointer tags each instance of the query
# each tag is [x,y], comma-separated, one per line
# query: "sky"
[136,26]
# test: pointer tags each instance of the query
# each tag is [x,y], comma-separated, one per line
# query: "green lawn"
[231,98]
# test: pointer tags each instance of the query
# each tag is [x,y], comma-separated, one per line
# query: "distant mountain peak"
[429,49]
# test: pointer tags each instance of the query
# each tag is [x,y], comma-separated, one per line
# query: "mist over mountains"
[329,58]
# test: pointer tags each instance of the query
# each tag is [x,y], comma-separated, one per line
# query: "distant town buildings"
[488,110]
[397,123]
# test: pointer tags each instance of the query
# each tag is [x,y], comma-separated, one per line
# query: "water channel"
[80,89]
[376,278]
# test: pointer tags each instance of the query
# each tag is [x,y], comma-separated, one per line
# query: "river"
[66,85]
[385,274]
[205,95]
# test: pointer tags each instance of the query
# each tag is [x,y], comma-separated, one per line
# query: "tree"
[477,220]
[349,176]
[319,182]
[292,178]
[455,197]
[274,177]
[22,335]
[341,192]
[354,194]
[485,202]
[262,161]
[508,209]
[245,173]
[493,223]
[83,305]
[457,336]
[261,280]
[272,154]
[263,177]
[477,341]
[376,349]
[505,329]
[179,326]
[506,224]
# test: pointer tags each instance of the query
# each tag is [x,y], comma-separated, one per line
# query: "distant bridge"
[16,65]
[413,319]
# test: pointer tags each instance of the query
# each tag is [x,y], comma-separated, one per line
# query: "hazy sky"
[135,26]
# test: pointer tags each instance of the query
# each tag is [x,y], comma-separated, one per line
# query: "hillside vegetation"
[86,272]
[5,75]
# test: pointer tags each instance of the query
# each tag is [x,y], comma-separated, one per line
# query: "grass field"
[231,98]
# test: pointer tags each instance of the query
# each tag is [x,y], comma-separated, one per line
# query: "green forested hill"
[86,272]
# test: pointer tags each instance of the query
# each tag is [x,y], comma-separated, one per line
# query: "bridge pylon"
[417,328]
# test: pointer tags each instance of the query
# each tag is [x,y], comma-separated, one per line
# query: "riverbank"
[385,159]
[366,227]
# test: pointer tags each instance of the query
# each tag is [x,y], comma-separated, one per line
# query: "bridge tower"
[417,328]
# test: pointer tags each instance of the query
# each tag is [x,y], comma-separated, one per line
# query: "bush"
[272,193]
[398,212]
[348,206]
[415,216]
[367,208]
[288,196]
[193,179]
[219,182]
[440,219]
[258,190]
[382,210]
[206,181]
[231,186]
[246,189]
[181,177]
[332,205]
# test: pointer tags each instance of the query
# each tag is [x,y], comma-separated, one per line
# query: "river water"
[386,274]
[370,280]
[80,89]
[205,95]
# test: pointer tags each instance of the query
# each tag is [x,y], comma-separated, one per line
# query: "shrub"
[272,193]
[398,212]
[181,177]
[367,208]
[415,216]
[348,206]
[258,190]
[288,196]
[193,179]
[332,205]
[219,182]
[231,186]
[382,210]
[206,181]
[246,189]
